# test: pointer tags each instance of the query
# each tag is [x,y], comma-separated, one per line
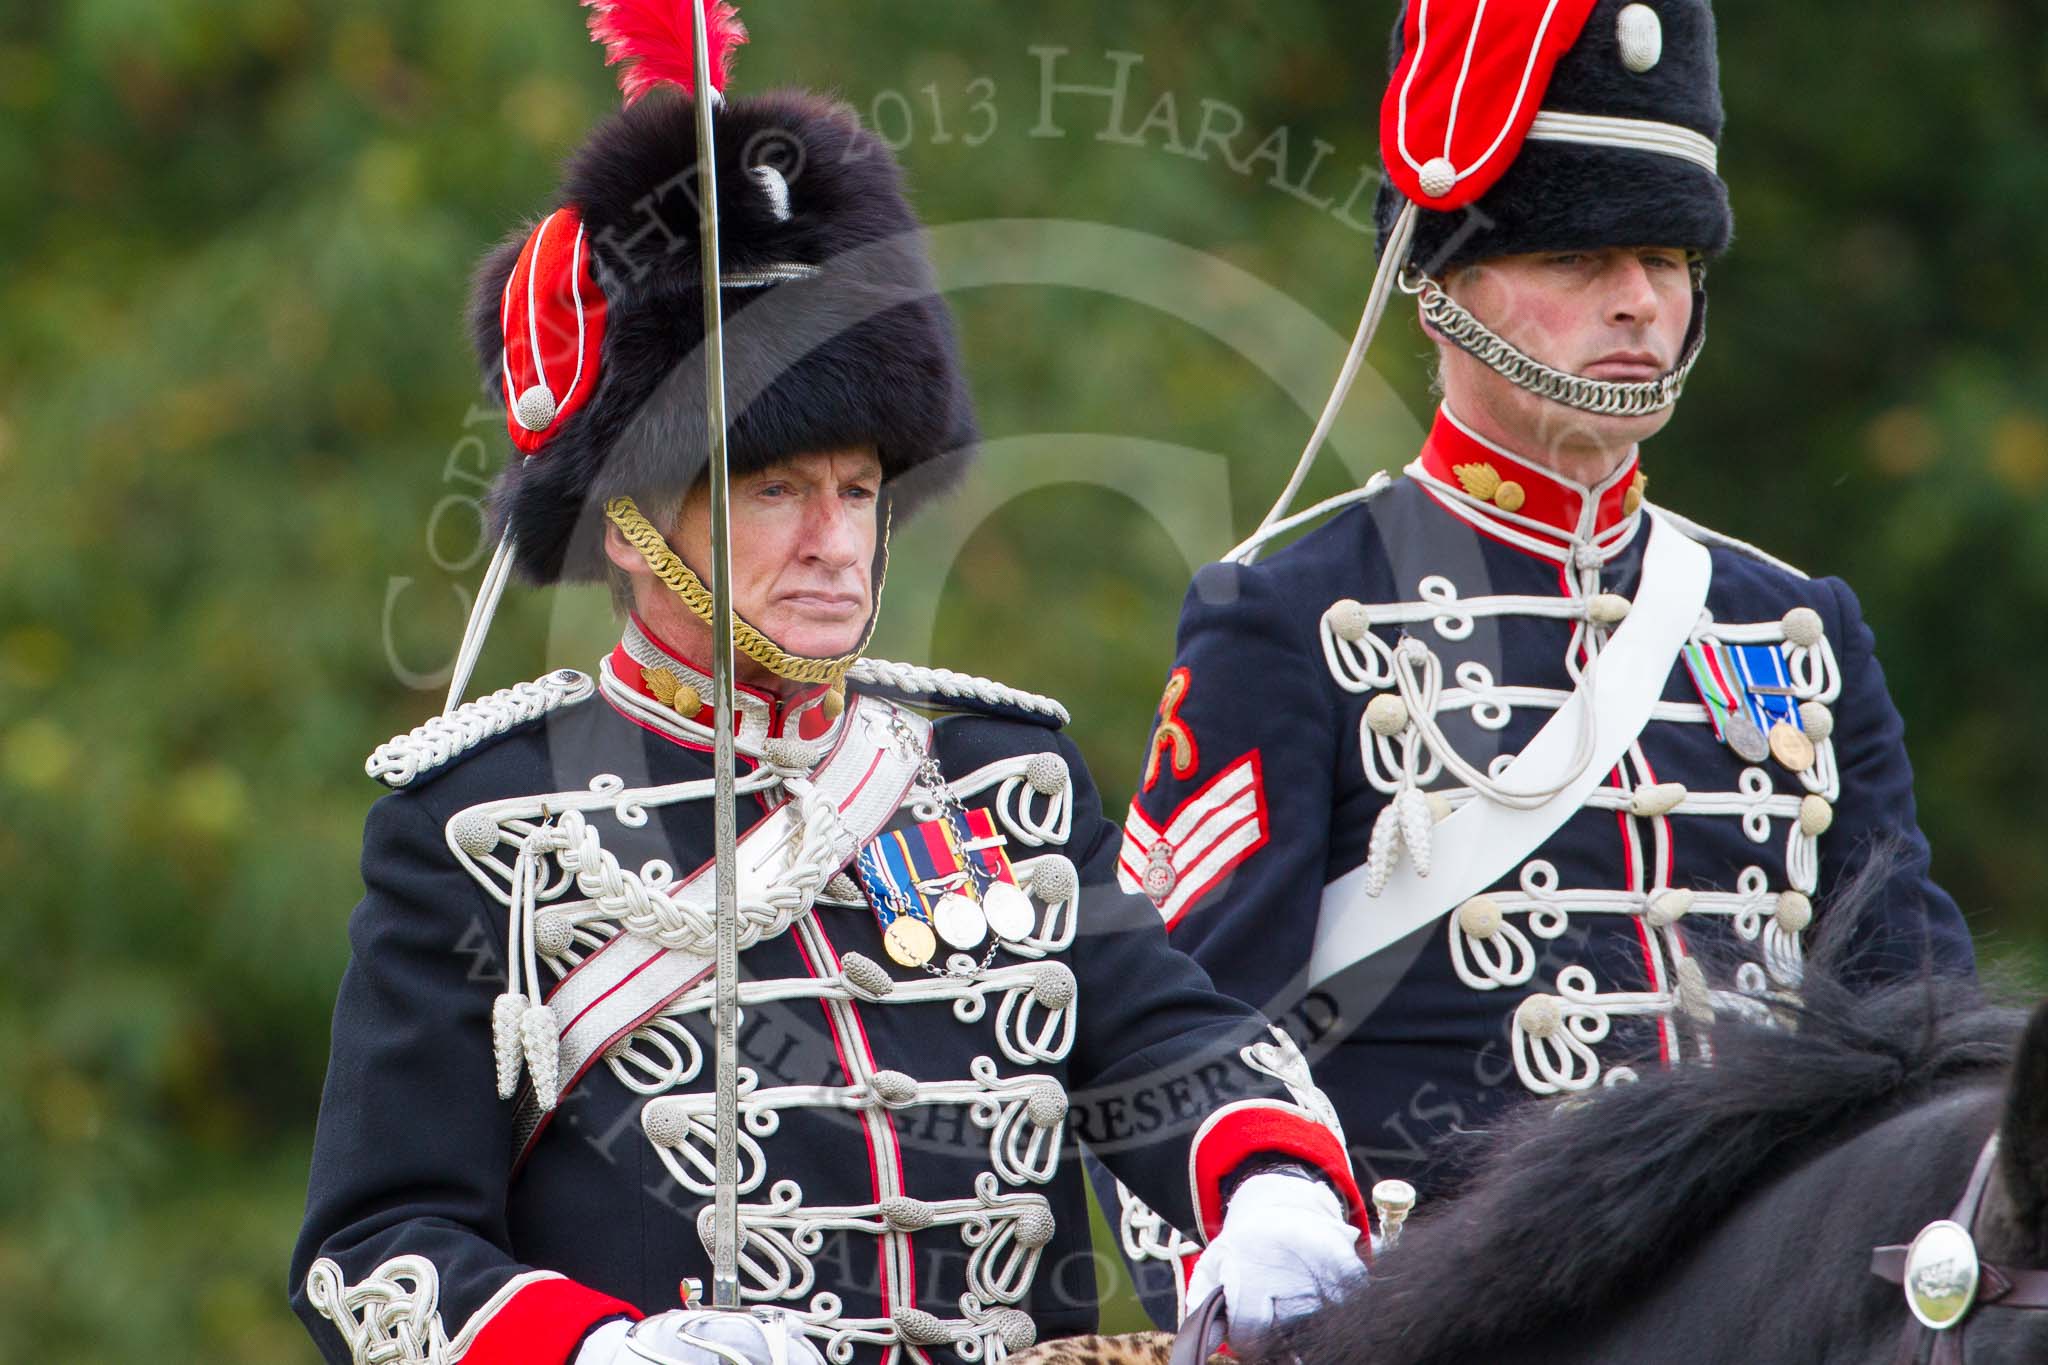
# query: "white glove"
[1284,1250]
[769,1337]
[606,1345]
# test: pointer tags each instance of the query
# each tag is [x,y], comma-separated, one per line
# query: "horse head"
[1733,1207]
[1976,1283]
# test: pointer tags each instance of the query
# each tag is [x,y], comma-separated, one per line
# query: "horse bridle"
[1945,1282]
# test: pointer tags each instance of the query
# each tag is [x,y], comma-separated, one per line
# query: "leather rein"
[1945,1282]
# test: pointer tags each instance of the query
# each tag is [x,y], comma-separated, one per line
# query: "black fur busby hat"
[590,326]
[1621,153]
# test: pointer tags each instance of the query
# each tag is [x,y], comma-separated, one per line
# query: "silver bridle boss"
[1944,1279]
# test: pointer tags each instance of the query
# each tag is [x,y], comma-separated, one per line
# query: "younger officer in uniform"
[1504,774]
[940,977]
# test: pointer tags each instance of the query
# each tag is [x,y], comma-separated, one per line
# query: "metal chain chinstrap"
[1605,398]
[668,566]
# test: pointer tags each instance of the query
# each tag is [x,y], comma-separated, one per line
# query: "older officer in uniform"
[1502,778]
[941,982]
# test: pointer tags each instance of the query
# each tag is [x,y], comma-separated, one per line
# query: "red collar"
[1507,487]
[642,657]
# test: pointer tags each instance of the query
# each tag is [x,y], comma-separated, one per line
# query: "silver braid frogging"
[1602,397]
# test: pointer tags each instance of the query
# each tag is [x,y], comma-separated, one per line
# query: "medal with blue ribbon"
[1750,699]
[948,879]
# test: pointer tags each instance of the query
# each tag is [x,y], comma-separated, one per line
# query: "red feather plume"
[655,40]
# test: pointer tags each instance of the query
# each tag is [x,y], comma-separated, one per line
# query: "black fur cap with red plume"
[589,325]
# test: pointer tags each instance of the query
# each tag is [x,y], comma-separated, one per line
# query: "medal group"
[946,880]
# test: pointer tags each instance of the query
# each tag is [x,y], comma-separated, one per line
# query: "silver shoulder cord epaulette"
[402,759]
[944,682]
[1709,535]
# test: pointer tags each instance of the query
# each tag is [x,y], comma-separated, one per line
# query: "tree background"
[239,459]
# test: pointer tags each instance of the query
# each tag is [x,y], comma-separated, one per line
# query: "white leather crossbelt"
[1481,842]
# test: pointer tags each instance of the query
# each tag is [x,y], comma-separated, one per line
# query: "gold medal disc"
[1791,747]
[909,941]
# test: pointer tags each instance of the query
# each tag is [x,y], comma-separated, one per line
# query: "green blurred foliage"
[240,456]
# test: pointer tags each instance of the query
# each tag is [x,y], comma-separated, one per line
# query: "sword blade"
[725,1243]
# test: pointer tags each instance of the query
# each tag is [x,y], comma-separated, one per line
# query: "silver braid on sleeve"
[1602,397]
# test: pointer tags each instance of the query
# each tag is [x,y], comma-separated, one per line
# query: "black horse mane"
[1562,1198]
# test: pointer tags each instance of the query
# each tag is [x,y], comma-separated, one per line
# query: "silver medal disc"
[959,921]
[1745,738]
[1010,912]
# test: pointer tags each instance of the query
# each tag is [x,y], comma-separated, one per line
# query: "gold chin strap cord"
[668,566]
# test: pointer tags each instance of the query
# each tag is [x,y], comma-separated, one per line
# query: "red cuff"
[544,1324]
[1237,1132]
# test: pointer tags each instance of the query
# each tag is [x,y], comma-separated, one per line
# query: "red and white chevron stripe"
[1209,835]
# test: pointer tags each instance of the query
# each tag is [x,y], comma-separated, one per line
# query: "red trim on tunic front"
[881,1120]
[1667,1029]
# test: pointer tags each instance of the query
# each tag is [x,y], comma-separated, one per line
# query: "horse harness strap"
[1201,1332]
[1944,1282]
